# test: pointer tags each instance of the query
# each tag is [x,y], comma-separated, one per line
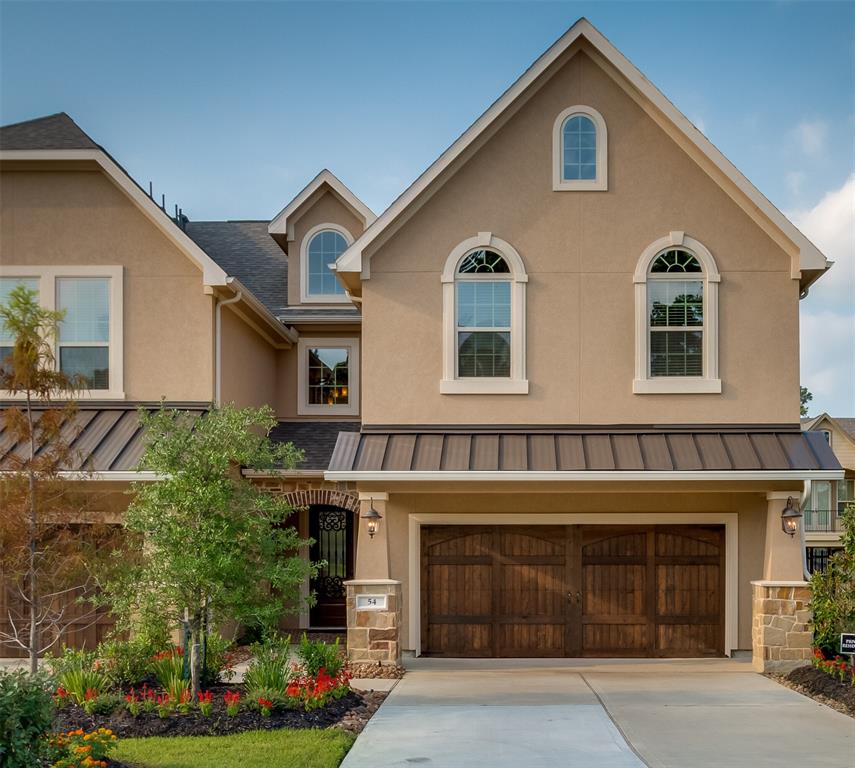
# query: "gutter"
[218,352]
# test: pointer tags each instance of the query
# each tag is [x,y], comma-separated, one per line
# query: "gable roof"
[283,222]
[745,194]
[842,424]
[59,138]
[245,250]
[57,131]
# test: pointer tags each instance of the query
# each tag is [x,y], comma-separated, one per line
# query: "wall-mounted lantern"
[373,517]
[790,518]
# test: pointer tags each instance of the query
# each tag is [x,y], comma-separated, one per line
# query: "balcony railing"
[822,521]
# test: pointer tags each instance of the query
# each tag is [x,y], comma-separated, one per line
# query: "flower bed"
[826,689]
[351,711]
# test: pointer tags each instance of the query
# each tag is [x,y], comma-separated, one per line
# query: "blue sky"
[230,108]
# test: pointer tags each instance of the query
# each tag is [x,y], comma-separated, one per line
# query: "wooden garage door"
[572,590]
[494,591]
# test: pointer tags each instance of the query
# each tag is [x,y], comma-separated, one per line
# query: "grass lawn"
[255,749]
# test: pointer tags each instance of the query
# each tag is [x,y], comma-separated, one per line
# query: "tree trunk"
[195,653]
[32,531]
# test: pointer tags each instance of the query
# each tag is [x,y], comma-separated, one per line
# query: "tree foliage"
[205,542]
[833,591]
[804,398]
[45,556]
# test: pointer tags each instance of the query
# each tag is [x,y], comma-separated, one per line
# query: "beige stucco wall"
[327,209]
[580,250]
[750,508]
[80,218]
[248,364]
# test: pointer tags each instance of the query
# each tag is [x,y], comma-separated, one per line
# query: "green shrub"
[26,714]
[316,654]
[270,670]
[833,592]
[217,665]
[168,665]
[78,672]
[104,704]
[127,663]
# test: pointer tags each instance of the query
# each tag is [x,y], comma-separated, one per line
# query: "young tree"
[43,559]
[208,543]
[833,591]
[804,398]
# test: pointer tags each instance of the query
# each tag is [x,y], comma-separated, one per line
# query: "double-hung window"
[484,318]
[88,342]
[676,320]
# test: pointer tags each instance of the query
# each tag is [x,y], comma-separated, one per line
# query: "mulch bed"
[824,688]
[349,713]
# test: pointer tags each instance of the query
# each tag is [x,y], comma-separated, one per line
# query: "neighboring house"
[826,500]
[541,412]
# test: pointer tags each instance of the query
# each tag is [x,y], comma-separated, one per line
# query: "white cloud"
[828,313]
[794,180]
[811,135]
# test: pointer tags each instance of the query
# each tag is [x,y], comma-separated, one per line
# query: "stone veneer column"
[372,635]
[780,631]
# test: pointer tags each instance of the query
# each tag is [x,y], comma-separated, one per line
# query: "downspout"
[802,502]
[218,354]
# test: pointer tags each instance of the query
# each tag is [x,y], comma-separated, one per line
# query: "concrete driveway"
[611,714]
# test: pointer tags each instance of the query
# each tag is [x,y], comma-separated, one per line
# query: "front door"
[572,590]
[332,529]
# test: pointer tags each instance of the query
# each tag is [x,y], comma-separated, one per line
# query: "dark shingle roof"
[246,251]
[848,426]
[316,438]
[298,314]
[57,131]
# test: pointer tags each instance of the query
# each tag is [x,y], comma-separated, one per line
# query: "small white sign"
[371,602]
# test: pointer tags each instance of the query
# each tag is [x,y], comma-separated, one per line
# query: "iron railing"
[822,520]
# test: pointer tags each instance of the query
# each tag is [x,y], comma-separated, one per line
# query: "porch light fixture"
[790,518]
[373,517]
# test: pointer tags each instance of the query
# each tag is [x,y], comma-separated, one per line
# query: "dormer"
[314,229]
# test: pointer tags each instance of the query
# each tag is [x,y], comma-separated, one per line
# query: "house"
[541,412]
[827,499]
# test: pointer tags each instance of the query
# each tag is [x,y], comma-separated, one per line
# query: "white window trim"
[303,406]
[305,296]
[709,383]
[516,383]
[48,276]
[559,183]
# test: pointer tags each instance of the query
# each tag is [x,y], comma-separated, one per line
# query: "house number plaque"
[371,602]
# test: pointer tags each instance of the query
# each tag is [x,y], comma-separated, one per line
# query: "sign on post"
[847,643]
[375,603]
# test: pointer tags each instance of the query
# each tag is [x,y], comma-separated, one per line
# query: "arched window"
[580,150]
[676,318]
[321,246]
[484,318]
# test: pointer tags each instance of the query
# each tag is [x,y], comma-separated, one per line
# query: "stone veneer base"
[781,635]
[374,636]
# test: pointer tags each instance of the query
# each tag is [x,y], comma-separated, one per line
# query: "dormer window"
[321,246]
[580,151]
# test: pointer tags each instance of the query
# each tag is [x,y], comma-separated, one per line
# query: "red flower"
[61,693]
[205,697]
[90,694]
